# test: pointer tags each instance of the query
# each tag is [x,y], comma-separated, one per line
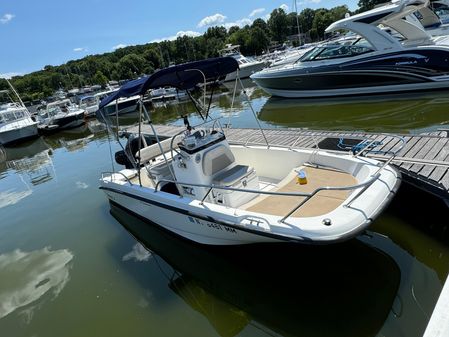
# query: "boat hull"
[124,107]
[195,227]
[18,134]
[61,123]
[397,72]
[367,90]
[245,71]
[217,225]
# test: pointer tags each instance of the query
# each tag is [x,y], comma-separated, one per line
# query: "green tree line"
[133,61]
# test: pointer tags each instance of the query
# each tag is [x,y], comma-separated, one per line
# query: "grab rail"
[307,196]
[363,151]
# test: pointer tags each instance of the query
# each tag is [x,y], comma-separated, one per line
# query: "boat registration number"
[212,225]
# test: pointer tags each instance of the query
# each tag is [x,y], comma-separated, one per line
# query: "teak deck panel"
[322,203]
[423,161]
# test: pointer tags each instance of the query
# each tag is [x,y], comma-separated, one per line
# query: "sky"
[34,34]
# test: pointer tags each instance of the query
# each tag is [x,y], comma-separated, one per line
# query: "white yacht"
[375,63]
[122,106]
[60,115]
[199,186]
[15,120]
[247,66]
[89,104]
[434,21]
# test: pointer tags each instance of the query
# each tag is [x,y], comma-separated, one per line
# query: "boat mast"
[297,21]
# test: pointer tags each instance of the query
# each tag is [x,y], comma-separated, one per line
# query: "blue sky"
[37,33]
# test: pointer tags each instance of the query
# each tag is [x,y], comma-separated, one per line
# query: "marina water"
[71,267]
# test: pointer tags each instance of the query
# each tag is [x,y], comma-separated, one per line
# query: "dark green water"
[70,267]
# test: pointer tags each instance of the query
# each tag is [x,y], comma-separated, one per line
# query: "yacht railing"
[365,185]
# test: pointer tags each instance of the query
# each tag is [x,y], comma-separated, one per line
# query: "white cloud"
[81,185]
[212,20]
[10,74]
[178,34]
[138,253]
[241,23]
[284,7]
[257,11]
[79,49]
[187,33]
[120,45]
[6,18]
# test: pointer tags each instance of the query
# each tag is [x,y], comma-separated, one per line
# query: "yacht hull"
[397,72]
[367,90]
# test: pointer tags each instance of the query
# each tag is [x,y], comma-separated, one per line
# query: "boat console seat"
[233,175]
[217,159]
[161,171]
[150,152]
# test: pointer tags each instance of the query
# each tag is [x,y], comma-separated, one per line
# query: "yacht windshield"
[337,50]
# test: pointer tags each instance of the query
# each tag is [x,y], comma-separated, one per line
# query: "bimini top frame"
[182,77]
[186,77]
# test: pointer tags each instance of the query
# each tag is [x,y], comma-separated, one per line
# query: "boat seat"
[161,171]
[233,175]
[150,152]
[217,159]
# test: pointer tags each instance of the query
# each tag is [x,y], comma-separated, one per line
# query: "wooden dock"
[423,159]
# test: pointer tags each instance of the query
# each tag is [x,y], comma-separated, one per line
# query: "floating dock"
[423,159]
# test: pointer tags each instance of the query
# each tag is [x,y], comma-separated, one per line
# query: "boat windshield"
[337,50]
[10,116]
[87,101]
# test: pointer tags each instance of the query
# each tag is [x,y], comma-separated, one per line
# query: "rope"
[363,145]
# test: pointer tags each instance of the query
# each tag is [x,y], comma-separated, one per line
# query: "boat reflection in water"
[27,276]
[32,164]
[338,290]
[387,113]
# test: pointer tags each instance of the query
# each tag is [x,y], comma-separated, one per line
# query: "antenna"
[15,92]
[297,21]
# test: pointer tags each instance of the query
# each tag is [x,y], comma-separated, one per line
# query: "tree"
[130,66]
[100,78]
[258,40]
[153,57]
[216,32]
[306,19]
[277,23]
[322,19]
[233,29]
[261,24]
[365,5]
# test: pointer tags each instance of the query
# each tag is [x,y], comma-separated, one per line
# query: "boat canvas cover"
[184,76]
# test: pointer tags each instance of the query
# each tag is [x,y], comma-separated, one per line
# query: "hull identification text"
[212,225]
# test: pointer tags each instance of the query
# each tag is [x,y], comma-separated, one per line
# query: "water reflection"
[28,276]
[343,290]
[417,294]
[398,113]
[31,164]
